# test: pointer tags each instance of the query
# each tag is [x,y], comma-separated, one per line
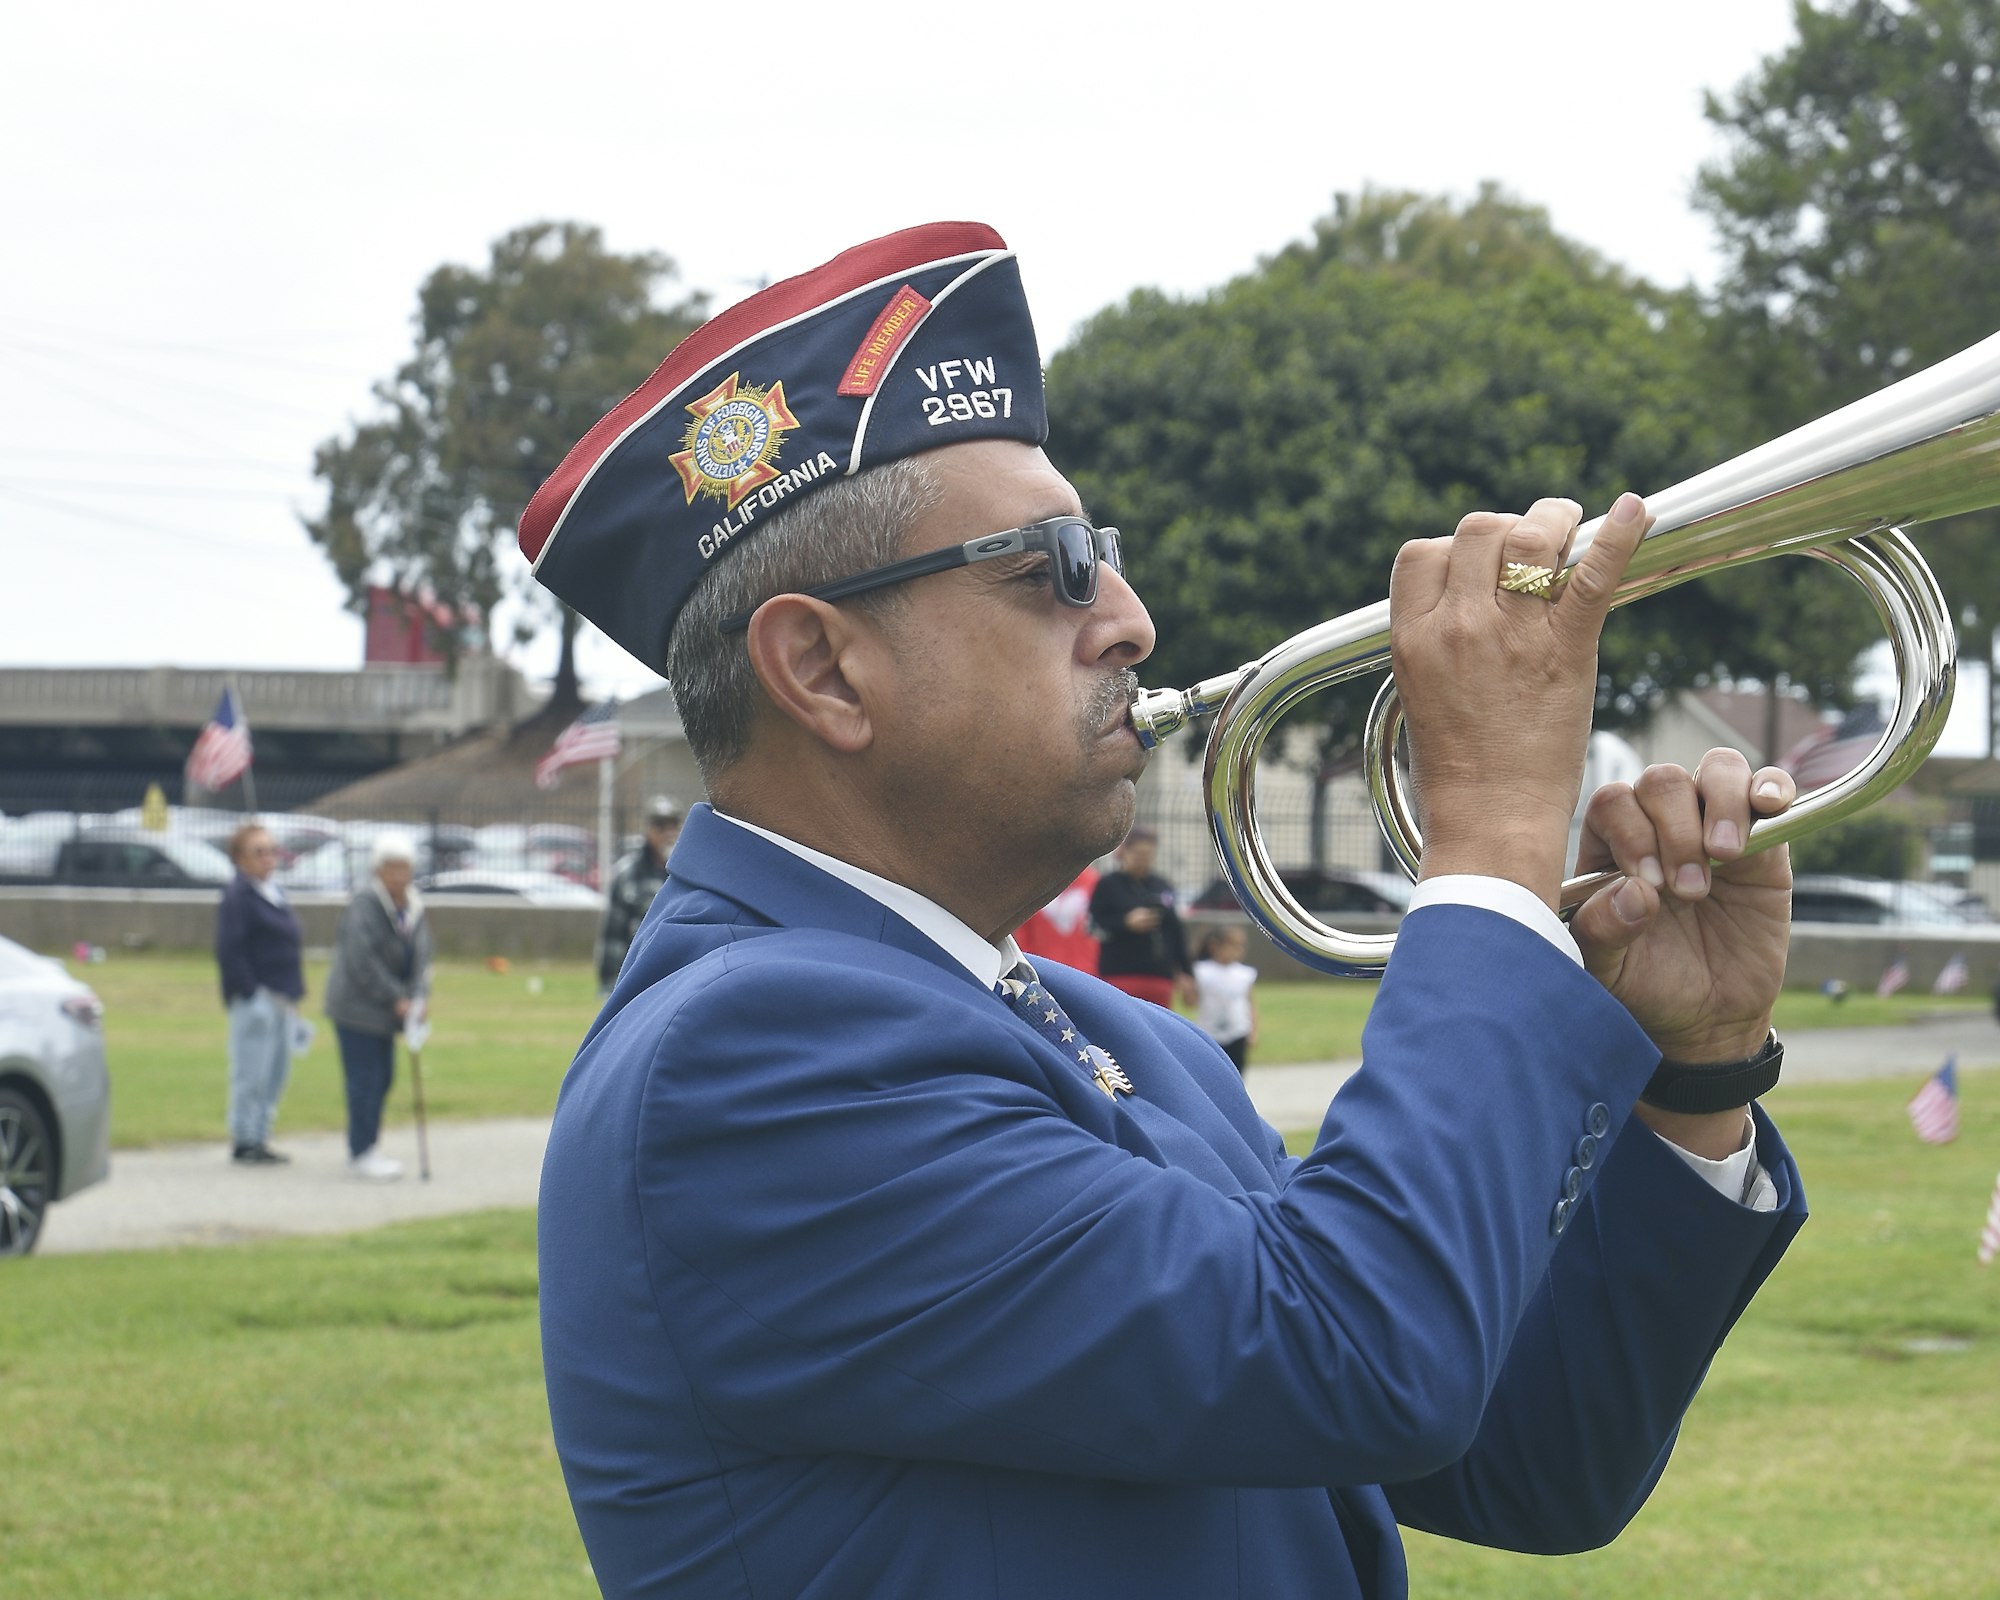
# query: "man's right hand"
[1498,688]
[1142,919]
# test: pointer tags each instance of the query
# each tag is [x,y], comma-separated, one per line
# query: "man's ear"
[810,658]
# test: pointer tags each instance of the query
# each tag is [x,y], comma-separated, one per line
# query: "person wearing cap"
[874,1262]
[633,885]
[381,972]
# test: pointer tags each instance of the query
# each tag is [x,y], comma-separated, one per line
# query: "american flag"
[1952,976]
[221,752]
[1894,977]
[1989,1236]
[592,737]
[1934,1108]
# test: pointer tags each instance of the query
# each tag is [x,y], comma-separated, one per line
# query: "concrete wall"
[474,926]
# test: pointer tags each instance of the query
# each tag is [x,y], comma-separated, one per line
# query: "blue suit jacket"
[853,1285]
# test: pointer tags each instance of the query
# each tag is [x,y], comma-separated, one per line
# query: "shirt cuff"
[1502,895]
[1739,1177]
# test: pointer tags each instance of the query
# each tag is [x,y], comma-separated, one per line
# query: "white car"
[531,888]
[55,1093]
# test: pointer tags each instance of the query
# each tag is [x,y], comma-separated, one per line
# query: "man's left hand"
[1696,954]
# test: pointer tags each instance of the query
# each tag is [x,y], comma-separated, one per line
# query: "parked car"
[55,1093]
[529,888]
[120,858]
[1832,897]
[1325,892]
[553,847]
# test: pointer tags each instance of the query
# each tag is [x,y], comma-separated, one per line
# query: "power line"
[185,535]
[175,490]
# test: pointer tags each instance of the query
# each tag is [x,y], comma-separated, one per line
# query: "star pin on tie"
[1022,990]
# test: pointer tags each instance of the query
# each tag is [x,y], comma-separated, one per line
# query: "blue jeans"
[368,1060]
[260,1062]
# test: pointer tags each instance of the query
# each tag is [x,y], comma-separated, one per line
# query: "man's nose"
[1121,626]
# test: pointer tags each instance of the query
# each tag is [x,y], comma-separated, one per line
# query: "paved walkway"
[192,1194]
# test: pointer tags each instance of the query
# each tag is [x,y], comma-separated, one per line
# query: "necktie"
[1022,990]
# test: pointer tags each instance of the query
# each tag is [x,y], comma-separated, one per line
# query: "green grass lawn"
[363,1416]
[500,1041]
[499,1045]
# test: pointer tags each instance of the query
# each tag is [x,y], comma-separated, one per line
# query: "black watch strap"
[1715,1086]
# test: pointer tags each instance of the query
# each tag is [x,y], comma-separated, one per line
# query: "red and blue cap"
[913,341]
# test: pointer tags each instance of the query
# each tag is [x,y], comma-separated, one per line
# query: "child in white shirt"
[1224,1008]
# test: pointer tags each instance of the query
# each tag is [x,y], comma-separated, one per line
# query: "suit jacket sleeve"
[1652,1273]
[893,1232]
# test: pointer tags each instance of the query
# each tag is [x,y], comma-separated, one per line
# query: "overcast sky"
[218,215]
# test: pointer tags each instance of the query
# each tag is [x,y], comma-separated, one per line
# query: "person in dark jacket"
[381,973]
[1141,947]
[630,893]
[257,948]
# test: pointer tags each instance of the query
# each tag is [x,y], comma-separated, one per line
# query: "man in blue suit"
[875,1264]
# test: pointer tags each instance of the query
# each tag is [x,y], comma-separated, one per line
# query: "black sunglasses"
[1072,545]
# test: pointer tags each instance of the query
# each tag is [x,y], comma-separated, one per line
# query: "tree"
[513,364]
[1269,447]
[1859,211]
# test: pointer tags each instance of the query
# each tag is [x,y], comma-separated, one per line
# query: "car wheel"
[27,1172]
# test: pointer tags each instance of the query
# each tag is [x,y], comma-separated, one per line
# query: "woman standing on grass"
[381,969]
[257,944]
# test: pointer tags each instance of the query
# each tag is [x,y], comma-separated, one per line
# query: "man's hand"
[1695,953]
[1497,688]
[1142,919]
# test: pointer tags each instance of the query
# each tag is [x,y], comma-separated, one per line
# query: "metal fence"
[100,830]
[545,832]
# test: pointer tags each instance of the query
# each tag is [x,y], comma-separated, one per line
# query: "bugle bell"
[1842,489]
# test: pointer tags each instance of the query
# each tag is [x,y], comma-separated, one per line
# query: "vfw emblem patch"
[737,432]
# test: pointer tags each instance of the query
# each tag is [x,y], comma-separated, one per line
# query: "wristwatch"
[1698,1087]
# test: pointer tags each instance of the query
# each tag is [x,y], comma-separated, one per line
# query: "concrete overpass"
[65,731]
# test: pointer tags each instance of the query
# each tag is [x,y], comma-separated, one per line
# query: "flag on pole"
[221,752]
[1894,977]
[1953,976]
[593,736]
[1934,1108]
[1989,1236]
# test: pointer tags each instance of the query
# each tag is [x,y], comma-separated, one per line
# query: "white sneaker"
[376,1167]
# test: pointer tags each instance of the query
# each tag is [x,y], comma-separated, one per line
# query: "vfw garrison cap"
[913,341]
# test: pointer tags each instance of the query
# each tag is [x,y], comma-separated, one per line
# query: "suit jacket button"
[1559,1218]
[1586,1152]
[1572,1183]
[1597,1120]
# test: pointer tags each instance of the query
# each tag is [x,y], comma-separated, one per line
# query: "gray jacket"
[375,964]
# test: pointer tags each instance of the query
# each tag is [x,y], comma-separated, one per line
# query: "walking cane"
[416,1029]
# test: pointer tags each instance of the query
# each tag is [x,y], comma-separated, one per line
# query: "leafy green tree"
[1270,446]
[513,364]
[1859,212]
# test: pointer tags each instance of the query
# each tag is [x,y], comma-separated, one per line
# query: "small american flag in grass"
[1934,1108]
[1989,1236]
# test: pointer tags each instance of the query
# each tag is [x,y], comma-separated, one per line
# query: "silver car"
[55,1093]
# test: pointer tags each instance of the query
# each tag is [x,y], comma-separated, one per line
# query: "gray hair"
[392,846]
[847,527]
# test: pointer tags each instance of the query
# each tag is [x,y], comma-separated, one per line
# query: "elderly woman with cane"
[381,970]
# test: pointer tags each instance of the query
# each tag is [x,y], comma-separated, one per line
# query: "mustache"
[1109,698]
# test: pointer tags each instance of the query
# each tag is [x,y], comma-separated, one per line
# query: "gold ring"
[1517,577]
